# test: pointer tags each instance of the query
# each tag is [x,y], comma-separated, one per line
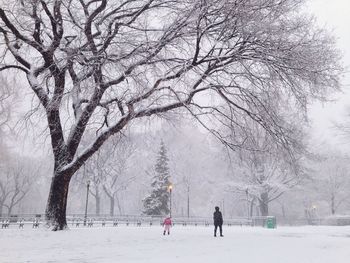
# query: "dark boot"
[164,233]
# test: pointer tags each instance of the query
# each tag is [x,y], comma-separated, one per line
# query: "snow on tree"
[157,203]
[99,66]
[263,171]
[107,172]
[17,177]
[5,111]
[115,171]
[332,179]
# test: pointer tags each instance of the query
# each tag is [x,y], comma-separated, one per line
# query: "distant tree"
[102,65]
[263,171]
[107,172]
[332,179]
[92,171]
[7,106]
[5,93]
[157,203]
[16,180]
[116,179]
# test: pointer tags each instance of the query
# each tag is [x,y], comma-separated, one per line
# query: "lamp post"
[188,201]
[186,182]
[248,210]
[87,200]
[223,207]
[170,187]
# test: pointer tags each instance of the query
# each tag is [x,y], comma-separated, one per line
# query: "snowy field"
[185,244]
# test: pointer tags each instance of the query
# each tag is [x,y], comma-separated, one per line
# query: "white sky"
[335,16]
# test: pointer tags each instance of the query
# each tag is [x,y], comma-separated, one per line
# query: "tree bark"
[264,204]
[98,203]
[57,202]
[9,210]
[119,205]
[333,204]
[251,208]
[111,208]
[283,211]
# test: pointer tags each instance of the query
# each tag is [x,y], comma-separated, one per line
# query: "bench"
[5,224]
[91,223]
[36,223]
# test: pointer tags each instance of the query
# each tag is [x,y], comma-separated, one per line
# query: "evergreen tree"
[157,203]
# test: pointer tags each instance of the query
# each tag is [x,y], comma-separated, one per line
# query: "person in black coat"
[218,221]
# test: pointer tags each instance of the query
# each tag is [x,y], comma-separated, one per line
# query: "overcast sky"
[335,16]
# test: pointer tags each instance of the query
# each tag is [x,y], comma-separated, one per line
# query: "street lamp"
[188,201]
[223,207]
[87,200]
[170,187]
[248,208]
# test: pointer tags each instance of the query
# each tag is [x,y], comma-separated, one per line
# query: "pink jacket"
[167,221]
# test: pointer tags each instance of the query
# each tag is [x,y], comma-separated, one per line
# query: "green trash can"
[271,222]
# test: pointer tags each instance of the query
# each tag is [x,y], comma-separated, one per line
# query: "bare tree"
[7,96]
[115,178]
[13,185]
[93,172]
[332,178]
[15,182]
[265,170]
[102,65]
[107,172]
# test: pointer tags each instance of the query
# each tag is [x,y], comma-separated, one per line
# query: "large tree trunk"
[1,206]
[111,208]
[119,205]
[11,206]
[57,202]
[251,208]
[264,204]
[98,203]
[111,201]
[333,204]
[283,211]
[9,210]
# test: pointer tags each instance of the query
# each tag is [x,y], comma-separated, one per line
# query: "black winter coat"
[218,218]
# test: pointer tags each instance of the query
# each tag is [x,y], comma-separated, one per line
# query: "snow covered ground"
[185,244]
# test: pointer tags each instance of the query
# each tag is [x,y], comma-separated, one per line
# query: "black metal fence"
[37,220]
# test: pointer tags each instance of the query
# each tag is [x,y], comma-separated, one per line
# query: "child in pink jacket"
[167,224]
